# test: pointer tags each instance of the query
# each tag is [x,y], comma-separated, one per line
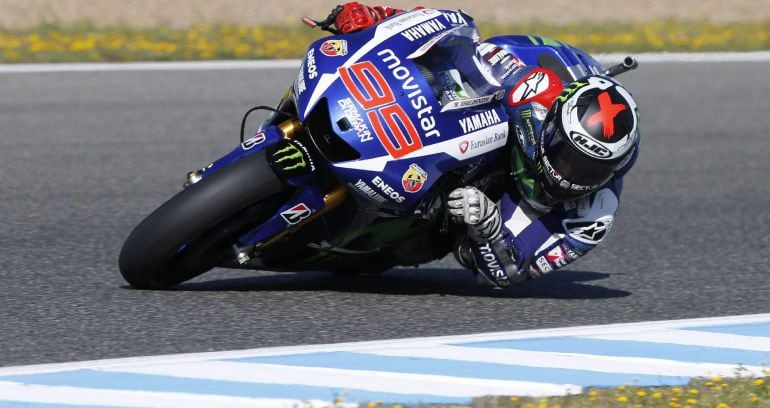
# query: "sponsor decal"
[397,134]
[571,254]
[455,18]
[557,256]
[540,85]
[351,112]
[606,115]
[390,122]
[526,116]
[368,191]
[387,189]
[543,265]
[253,141]
[422,30]
[405,19]
[588,146]
[299,84]
[334,48]
[589,232]
[530,87]
[496,55]
[512,66]
[312,71]
[411,87]
[414,178]
[293,158]
[471,102]
[493,268]
[479,121]
[555,176]
[496,138]
[296,214]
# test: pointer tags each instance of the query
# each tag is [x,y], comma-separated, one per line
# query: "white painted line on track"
[47,394]
[692,338]
[657,57]
[574,361]
[628,329]
[382,381]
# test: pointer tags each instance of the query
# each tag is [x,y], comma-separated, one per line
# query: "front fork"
[293,163]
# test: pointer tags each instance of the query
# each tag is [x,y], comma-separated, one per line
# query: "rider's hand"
[354,16]
[480,214]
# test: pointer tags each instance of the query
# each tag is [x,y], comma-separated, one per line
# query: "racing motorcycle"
[350,172]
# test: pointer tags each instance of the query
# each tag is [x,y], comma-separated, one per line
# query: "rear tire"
[179,241]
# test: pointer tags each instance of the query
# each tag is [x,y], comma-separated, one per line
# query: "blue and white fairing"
[370,92]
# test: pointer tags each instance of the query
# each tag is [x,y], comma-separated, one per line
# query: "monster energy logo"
[568,91]
[289,154]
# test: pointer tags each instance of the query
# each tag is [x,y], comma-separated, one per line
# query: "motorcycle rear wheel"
[185,237]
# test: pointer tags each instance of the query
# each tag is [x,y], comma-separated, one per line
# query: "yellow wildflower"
[677,390]
[693,391]
[593,393]
[657,395]
[722,405]
[692,401]
[514,399]
[371,405]
[718,378]
[622,398]
[641,393]
[759,382]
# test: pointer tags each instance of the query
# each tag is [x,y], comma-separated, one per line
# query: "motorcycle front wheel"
[191,232]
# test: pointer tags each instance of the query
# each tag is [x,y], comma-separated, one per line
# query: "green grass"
[85,42]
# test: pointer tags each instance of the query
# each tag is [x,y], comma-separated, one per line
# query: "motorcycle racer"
[575,140]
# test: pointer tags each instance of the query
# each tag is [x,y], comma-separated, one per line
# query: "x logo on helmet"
[606,114]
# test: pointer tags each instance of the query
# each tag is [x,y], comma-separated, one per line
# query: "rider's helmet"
[590,132]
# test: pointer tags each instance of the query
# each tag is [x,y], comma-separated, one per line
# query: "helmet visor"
[569,172]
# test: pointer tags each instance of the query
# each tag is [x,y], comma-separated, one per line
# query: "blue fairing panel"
[531,49]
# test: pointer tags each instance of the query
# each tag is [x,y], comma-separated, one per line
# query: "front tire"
[176,242]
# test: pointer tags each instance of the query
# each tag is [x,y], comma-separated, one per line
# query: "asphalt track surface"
[86,155]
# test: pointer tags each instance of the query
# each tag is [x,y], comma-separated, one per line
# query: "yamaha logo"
[589,146]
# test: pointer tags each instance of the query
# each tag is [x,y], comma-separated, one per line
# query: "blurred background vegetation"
[163,30]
